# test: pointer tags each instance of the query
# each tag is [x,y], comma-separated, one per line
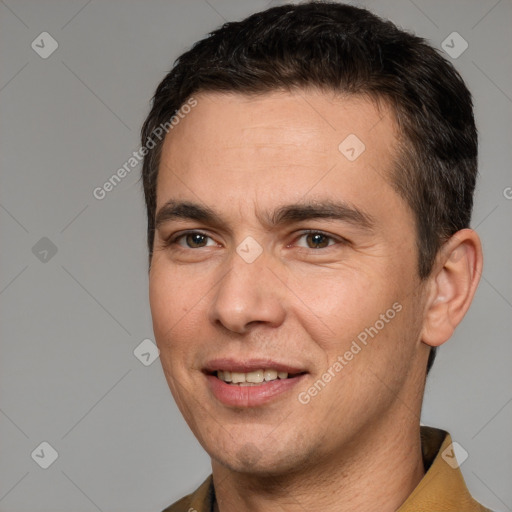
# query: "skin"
[356,444]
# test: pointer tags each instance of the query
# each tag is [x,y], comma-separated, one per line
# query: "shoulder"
[199,501]
[182,505]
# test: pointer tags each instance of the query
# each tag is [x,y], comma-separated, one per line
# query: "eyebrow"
[286,214]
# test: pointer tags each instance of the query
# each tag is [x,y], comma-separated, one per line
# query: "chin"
[250,462]
[264,458]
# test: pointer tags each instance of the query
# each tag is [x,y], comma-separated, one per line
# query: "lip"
[250,396]
[255,395]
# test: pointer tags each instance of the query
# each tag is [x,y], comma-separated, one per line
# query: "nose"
[248,294]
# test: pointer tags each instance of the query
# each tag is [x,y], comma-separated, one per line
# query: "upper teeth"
[255,376]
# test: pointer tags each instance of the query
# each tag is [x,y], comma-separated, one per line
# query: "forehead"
[297,143]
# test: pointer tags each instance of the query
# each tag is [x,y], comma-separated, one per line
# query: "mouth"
[250,383]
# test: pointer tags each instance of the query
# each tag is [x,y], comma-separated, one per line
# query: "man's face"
[251,291]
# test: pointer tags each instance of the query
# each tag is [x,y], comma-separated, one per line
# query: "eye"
[317,240]
[192,240]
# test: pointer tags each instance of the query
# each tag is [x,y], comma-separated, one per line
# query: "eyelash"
[173,240]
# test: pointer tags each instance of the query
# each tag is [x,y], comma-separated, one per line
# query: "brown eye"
[194,240]
[316,240]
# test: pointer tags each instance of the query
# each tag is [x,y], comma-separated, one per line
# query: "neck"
[379,474]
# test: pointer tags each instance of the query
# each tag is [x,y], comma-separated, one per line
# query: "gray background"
[70,323]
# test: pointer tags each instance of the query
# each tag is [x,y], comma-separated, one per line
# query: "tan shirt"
[442,489]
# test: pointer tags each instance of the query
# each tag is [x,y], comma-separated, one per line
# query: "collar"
[442,488]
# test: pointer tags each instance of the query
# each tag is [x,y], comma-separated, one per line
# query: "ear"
[452,285]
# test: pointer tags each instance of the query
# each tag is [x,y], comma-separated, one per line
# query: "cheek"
[366,319]
[163,304]
[172,293]
[171,303]
[337,304]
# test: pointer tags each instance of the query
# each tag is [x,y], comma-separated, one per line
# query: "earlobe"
[452,286]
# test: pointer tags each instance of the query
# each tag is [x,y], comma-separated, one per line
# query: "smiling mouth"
[253,378]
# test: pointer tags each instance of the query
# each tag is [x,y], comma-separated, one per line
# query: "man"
[309,248]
